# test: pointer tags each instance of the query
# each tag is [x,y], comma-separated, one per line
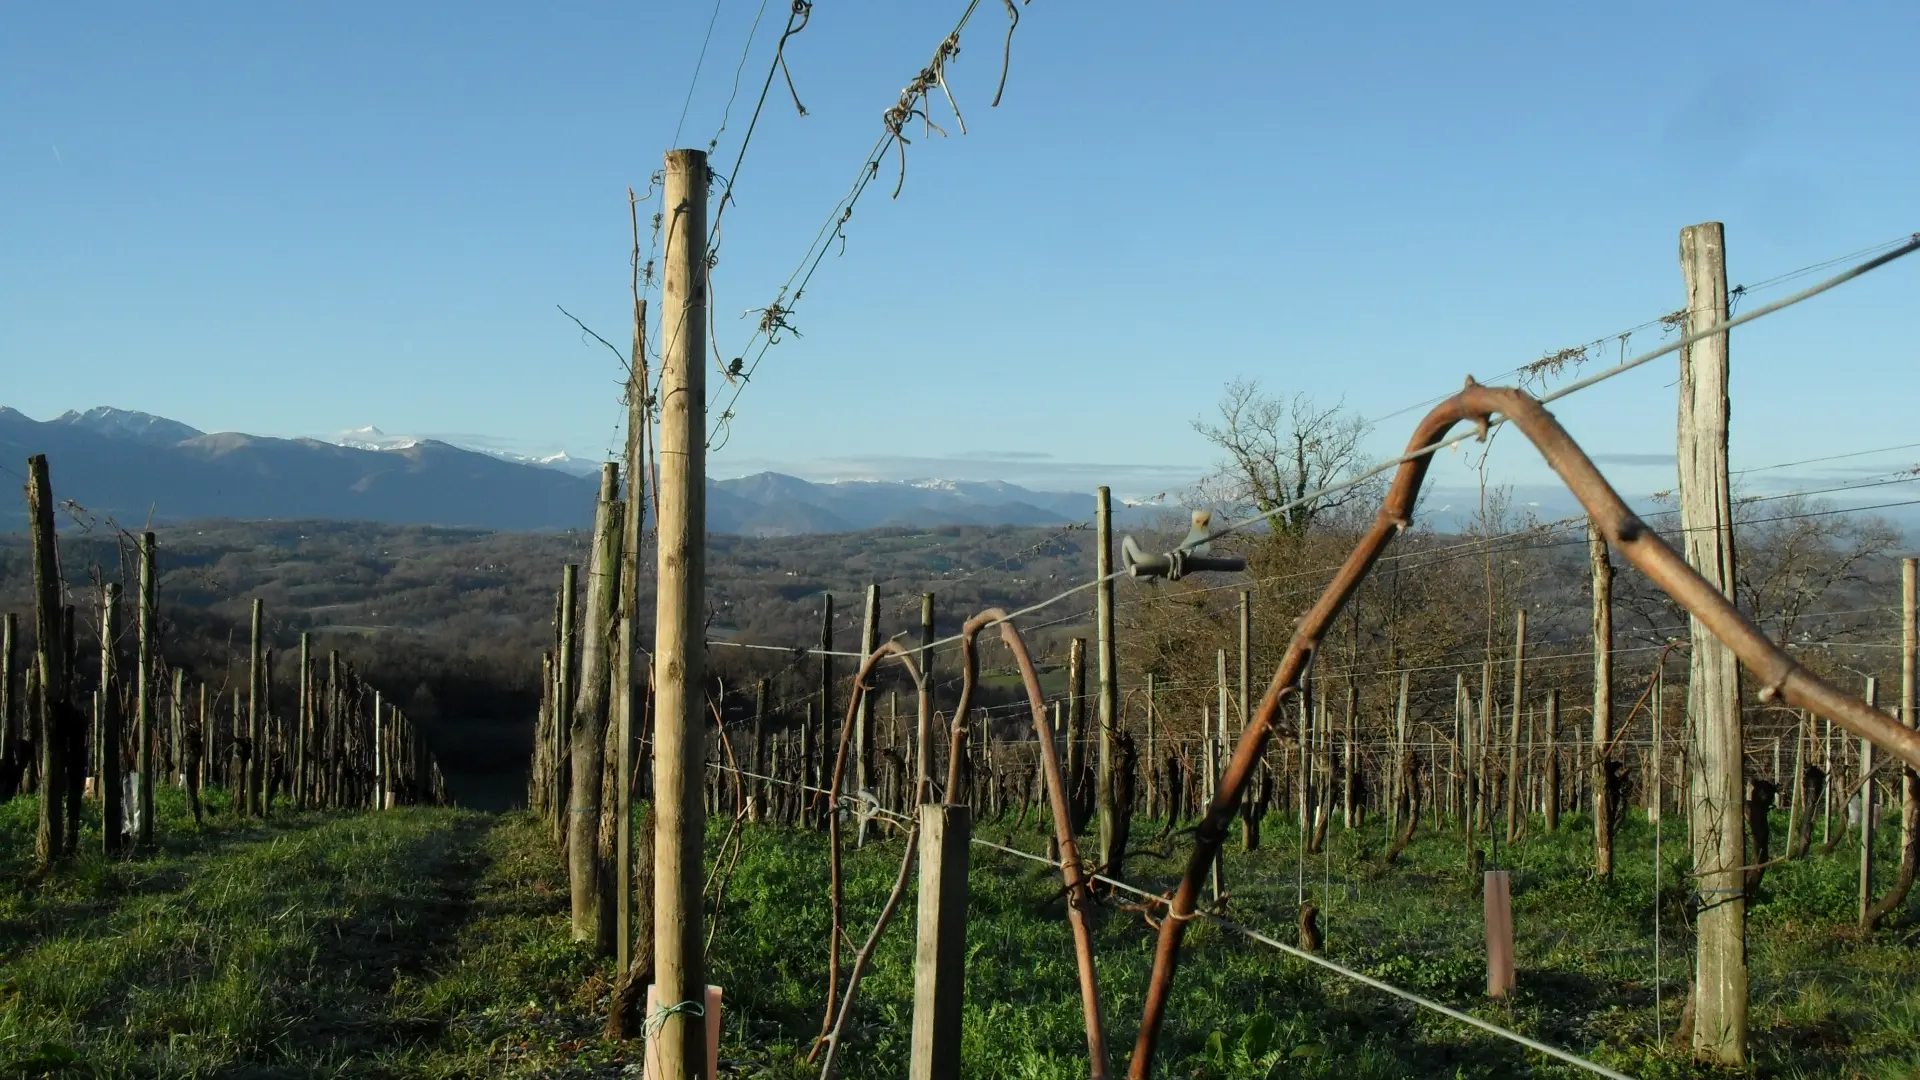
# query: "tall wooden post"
[303,726]
[51,724]
[1113,838]
[1400,792]
[253,780]
[1249,822]
[823,739]
[587,877]
[760,788]
[563,690]
[1872,697]
[12,767]
[1551,803]
[1706,521]
[679,651]
[625,703]
[1515,812]
[112,796]
[940,949]
[177,720]
[1079,799]
[1910,780]
[1483,753]
[1349,773]
[863,719]
[1601,566]
[923,740]
[1153,751]
[379,747]
[144,691]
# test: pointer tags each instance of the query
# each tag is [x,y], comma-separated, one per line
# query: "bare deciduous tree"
[1279,449]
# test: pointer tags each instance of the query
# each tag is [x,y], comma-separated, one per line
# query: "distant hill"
[138,467]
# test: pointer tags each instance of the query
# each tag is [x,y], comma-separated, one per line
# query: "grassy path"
[412,943]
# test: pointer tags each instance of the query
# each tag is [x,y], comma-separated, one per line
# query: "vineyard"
[1294,773]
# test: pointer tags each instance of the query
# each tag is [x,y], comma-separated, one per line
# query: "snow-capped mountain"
[372,438]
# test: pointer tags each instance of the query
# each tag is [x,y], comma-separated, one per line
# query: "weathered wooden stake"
[587,878]
[863,741]
[1113,832]
[112,796]
[53,719]
[1515,811]
[565,661]
[1706,521]
[679,652]
[922,751]
[12,767]
[940,951]
[253,778]
[823,737]
[1079,776]
[1601,565]
[1872,697]
[1551,804]
[144,690]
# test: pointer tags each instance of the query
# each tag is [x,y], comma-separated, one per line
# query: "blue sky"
[295,219]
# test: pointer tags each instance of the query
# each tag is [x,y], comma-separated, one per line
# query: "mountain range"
[137,467]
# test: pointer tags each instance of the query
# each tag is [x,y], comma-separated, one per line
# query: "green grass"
[1827,1002]
[412,943]
[433,943]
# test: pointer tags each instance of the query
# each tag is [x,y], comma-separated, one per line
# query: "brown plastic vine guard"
[1779,674]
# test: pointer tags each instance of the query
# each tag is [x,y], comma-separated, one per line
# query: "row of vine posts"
[98,721]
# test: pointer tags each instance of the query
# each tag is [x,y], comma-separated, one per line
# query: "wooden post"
[1249,821]
[1706,522]
[1910,780]
[1896,895]
[253,780]
[940,949]
[1872,697]
[1349,774]
[823,737]
[863,717]
[1515,811]
[144,690]
[379,748]
[112,796]
[206,728]
[12,767]
[1483,752]
[1113,833]
[1601,567]
[1551,792]
[1079,799]
[51,724]
[1152,802]
[563,691]
[587,877]
[1401,790]
[625,705]
[923,740]
[679,652]
[303,723]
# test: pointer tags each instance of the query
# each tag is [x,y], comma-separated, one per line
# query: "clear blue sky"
[295,219]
